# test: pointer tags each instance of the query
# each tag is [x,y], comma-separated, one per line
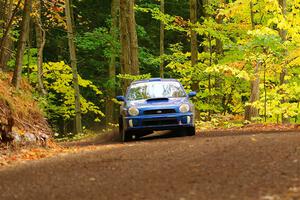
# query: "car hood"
[158,102]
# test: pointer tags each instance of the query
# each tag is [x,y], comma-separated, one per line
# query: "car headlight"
[133,111]
[184,108]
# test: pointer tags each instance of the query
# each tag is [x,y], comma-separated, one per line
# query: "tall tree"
[72,51]
[40,40]
[194,43]
[2,11]
[5,49]
[282,33]
[161,40]
[133,38]
[250,110]
[129,43]
[219,43]
[22,44]
[112,63]
[6,41]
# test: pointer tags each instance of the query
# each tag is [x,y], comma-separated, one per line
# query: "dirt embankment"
[21,119]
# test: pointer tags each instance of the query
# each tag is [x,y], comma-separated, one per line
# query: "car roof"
[155,80]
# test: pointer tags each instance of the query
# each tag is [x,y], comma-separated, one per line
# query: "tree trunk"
[194,47]
[40,40]
[133,39]
[7,29]
[219,43]
[6,44]
[209,98]
[72,50]
[194,43]
[6,128]
[28,52]
[2,11]
[3,14]
[283,32]
[251,111]
[265,97]
[129,45]
[219,53]
[22,44]
[283,73]
[252,16]
[161,40]
[112,64]
[125,50]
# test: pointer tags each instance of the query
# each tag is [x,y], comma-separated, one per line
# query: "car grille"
[160,122]
[159,111]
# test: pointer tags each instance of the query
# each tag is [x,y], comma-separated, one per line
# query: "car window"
[150,90]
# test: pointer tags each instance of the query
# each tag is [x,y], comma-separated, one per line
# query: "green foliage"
[29,58]
[99,38]
[133,77]
[60,98]
[168,20]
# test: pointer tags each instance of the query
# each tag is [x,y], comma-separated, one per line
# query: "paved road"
[258,167]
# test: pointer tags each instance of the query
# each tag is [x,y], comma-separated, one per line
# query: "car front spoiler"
[159,122]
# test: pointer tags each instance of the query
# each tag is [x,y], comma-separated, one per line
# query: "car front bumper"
[159,122]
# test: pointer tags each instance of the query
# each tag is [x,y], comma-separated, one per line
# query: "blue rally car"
[155,104]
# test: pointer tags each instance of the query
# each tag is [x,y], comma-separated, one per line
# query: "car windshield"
[149,90]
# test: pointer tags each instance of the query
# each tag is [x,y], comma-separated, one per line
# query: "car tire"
[190,131]
[124,135]
[127,136]
[121,128]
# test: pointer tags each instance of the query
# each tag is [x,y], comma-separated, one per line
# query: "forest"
[242,57]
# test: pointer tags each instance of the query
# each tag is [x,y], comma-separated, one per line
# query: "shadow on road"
[160,135]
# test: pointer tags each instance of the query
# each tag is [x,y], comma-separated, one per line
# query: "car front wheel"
[191,131]
[188,131]
[124,135]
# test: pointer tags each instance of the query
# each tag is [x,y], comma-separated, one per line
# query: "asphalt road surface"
[216,166]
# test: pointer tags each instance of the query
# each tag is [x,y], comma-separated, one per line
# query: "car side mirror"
[192,94]
[120,98]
